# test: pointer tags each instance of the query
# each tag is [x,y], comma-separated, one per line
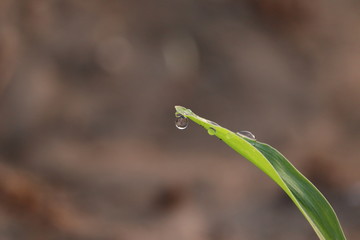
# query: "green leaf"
[302,192]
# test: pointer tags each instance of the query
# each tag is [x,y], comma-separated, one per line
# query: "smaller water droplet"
[246,134]
[181,122]
[211,131]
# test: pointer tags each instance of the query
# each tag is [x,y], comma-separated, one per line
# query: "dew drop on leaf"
[181,122]
[211,131]
[246,134]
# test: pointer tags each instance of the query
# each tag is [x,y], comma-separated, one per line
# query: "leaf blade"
[312,204]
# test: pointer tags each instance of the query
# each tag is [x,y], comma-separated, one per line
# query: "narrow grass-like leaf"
[302,192]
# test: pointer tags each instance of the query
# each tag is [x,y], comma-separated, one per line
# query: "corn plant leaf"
[302,192]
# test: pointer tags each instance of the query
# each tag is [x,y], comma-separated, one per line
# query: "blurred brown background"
[88,146]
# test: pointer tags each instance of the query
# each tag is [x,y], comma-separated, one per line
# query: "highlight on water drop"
[181,122]
[246,134]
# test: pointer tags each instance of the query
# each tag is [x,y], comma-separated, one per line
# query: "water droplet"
[211,131]
[246,134]
[181,122]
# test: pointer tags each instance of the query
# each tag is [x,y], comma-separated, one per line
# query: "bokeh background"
[88,146]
